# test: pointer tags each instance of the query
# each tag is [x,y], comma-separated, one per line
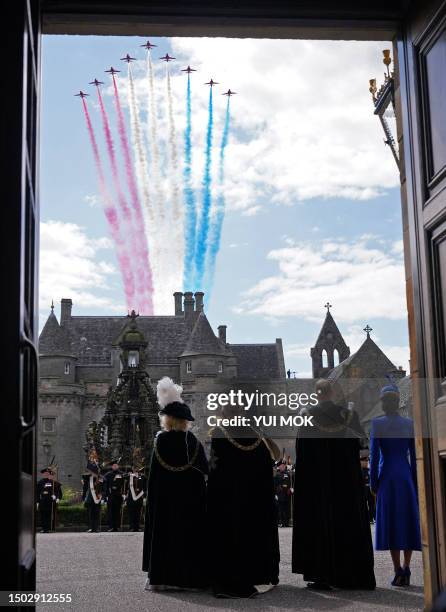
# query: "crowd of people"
[232,504]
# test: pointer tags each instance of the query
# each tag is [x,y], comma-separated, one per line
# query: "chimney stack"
[188,303]
[199,301]
[66,305]
[222,332]
[178,297]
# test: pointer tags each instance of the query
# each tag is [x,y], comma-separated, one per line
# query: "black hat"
[47,469]
[178,410]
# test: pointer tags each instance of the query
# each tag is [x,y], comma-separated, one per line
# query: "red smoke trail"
[144,278]
[122,201]
[113,162]
[111,216]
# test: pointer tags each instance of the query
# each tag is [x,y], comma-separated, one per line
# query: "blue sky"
[312,195]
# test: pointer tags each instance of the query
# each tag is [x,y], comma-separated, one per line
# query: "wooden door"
[422,70]
[18,244]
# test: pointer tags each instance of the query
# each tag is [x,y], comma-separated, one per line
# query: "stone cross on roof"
[328,306]
[367,330]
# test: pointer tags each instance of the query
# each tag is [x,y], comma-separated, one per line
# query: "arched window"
[324,359]
[66,367]
[337,358]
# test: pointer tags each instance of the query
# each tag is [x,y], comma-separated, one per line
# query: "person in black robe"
[174,549]
[332,544]
[242,514]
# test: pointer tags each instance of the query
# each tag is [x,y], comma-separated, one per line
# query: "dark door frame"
[309,19]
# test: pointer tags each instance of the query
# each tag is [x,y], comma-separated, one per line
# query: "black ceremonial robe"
[242,514]
[175,529]
[331,531]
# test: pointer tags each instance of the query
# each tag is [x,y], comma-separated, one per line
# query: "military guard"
[49,493]
[92,495]
[115,495]
[136,495]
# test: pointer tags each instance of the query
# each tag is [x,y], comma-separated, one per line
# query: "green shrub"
[71,497]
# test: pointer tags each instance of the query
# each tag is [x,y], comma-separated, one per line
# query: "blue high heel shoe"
[399,579]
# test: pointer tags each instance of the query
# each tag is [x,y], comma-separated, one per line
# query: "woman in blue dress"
[393,480]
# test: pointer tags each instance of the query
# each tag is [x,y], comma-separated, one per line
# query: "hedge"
[77,514]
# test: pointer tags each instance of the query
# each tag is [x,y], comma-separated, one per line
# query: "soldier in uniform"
[49,493]
[114,494]
[282,482]
[92,495]
[136,495]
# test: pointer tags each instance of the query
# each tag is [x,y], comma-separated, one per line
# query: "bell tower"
[330,348]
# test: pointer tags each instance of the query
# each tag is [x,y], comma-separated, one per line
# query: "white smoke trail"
[142,173]
[177,218]
[153,139]
[162,299]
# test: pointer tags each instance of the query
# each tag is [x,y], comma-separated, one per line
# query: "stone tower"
[330,348]
[130,422]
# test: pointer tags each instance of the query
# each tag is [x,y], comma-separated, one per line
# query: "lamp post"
[384,103]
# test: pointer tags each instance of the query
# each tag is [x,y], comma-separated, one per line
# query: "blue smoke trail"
[203,229]
[190,220]
[214,242]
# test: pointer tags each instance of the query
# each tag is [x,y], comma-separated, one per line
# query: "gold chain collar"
[247,447]
[175,468]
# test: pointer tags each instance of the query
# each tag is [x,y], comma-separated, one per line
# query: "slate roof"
[368,347]
[53,339]
[329,326]
[259,361]
[92,339]
[203,340]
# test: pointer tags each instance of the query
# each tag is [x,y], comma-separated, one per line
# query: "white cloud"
[302,124]
[71,267]
[362,281]
[93,200]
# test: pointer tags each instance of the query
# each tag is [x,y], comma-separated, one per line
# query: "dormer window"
[188,367]
[66,367]
[133,359]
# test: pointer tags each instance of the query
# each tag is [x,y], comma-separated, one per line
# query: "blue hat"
[392,388]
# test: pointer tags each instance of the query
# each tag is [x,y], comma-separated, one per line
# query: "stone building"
[81,361]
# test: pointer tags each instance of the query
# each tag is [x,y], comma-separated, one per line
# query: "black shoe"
[406,576]
[399,580]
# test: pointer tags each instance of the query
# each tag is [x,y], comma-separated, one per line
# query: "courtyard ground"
[103,573]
